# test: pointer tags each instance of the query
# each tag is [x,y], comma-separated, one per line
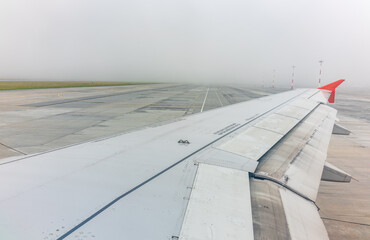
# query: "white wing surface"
[249,170]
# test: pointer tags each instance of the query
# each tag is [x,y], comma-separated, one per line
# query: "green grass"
[15,85]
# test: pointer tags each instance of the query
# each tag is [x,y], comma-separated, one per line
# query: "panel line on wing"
[254,142]
[270,130]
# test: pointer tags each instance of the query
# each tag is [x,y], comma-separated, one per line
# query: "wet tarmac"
[34,121]
[345,207]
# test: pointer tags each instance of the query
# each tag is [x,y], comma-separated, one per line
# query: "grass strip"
[16,85]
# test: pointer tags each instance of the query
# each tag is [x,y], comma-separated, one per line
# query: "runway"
[33,121]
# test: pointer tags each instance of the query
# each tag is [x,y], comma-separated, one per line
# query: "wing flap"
[256,140]
[219,205]
[303,219]
[298,159]
[279,213]
[252,143]
[227,159]
[269,220]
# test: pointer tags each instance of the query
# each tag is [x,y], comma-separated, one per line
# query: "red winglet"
[331,87]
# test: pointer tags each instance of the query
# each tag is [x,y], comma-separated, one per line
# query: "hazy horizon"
[186,41]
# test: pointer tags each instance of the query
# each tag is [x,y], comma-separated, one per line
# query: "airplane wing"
[245,171]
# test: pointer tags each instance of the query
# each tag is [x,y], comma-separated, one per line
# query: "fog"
[209,41]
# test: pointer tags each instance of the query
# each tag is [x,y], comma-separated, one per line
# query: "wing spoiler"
[331,87]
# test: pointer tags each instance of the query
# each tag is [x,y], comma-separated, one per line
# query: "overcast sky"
[186,40]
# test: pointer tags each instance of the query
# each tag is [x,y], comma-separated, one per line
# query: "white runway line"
[204,102]
[218,98]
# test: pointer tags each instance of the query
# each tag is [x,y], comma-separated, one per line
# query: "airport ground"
[345,208]
[38,120]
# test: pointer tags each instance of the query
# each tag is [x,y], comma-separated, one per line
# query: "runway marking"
[192,105]
[204,102]
[218,98]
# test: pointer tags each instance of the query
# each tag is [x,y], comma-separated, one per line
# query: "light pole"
[321,61]
[292,86]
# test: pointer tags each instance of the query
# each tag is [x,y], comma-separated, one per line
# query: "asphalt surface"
[34,121]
